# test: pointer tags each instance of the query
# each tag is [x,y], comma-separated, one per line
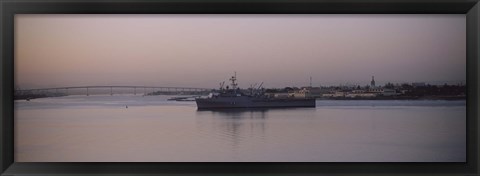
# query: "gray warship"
[233,97]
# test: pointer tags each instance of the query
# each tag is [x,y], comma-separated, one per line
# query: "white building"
[360,93]
[335,94]
[302,93]
[383,92]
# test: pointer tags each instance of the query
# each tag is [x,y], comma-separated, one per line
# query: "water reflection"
[234,127]
[236,113]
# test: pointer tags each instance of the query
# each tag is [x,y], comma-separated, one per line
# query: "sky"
[55,50]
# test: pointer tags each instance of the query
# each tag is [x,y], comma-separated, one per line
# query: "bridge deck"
[131,87]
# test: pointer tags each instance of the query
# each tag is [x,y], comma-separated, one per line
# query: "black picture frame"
[8,9]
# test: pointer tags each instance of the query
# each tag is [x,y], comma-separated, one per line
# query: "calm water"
[151,129]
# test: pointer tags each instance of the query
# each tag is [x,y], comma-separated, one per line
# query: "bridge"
[136,89]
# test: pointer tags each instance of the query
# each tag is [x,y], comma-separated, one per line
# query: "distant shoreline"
[396,98]
[317,98]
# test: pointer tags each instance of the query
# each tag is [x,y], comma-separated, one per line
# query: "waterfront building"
[302,93]
[335,94]
[281,95]
[360,94]
[418,84]
[375,90]
[382,91]
[318,91]
[389,92]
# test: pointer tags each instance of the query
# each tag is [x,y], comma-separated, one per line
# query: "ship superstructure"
[234,97]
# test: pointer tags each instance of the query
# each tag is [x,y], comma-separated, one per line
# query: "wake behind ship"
[255,98]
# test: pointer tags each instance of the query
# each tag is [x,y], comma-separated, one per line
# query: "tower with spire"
[310,81]
[372,83]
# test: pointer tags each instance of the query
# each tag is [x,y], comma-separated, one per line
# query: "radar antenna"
[233,79]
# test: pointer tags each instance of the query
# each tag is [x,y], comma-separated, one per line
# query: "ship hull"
[248,102]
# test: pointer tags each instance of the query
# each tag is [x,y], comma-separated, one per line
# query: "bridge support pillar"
[87,91]
[111,91]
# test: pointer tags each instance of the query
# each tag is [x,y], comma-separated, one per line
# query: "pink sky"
[203,50]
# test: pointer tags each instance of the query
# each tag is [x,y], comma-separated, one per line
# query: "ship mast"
[234,84]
